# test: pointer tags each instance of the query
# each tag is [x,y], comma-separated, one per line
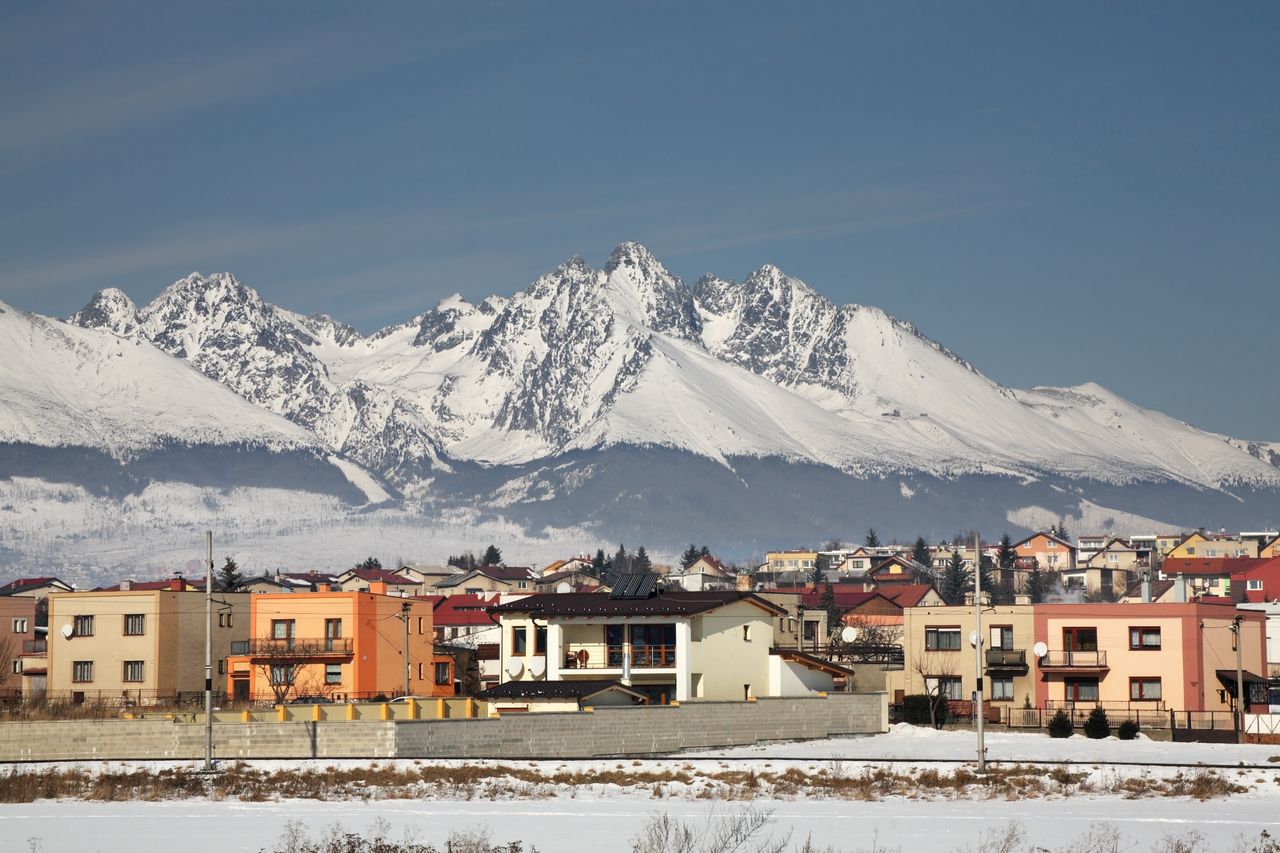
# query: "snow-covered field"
[604,816]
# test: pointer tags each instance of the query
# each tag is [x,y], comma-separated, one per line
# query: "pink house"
[1166,656]
[1258,583]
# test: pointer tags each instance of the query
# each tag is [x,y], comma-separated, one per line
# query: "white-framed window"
[82,671]
[19,626]
[1254,585]
[135,625]
[133,670]
[945,686]
[1002,688]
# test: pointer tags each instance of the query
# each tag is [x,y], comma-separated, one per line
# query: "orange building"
[337,646]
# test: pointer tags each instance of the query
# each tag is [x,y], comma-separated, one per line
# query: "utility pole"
[977,647]
[208,653]
[1235,629]
[404,617]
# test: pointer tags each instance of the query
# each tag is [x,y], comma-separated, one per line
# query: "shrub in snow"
[915,710]
[1097,726]
[1128,730]
[1060,725]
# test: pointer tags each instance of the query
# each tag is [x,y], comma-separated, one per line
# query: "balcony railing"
[1074,660]
[1006,658]
[292,647]
[642,657]
[35,647]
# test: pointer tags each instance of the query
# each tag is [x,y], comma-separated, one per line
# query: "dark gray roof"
[678,603]
[550,689]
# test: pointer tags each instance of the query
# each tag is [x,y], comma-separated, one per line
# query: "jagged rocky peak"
[443,327]
[663,301]
[110,309]
[324,326]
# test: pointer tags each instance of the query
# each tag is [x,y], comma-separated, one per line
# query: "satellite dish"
[974,639]
[1040,650]
[68,631]
[564,587]
[848,633]
[537,667]
[514,668]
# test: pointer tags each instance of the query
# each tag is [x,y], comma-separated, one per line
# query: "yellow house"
[668,647]
[1111,569]
[1201,544]
[139,646]
[939,656]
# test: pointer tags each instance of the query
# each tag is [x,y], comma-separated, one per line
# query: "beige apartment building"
[139,646]
[938,654]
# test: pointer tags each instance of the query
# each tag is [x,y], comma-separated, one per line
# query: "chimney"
[1146,587]
[378,587]
[1180,589]
[125,586]
[175,584]
[1022,600]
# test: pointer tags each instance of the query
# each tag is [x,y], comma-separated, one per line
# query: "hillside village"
[1146,627]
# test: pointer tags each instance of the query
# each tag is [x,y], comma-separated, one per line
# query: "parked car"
[311,700]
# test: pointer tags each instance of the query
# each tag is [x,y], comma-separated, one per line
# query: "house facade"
[337,646]
[138,646]
[18,640]
[668,647]
[939,658]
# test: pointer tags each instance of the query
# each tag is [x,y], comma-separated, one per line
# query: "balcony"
[642,657]
[293,647]
[1007,660]
[35,647]
[1074,660]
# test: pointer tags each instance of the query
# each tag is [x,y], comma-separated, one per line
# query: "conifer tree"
[492,556]
[871,540]
[956,579]
[641,562]
[689,556]
[229,577]
[920,553]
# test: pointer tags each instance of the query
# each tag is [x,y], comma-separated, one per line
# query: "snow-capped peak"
[648,294]
[109,309]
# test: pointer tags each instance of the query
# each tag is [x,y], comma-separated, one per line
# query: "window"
[1002,688]
[1002,636]
[281,673]
[332,631]
[1144,689]
[82,671]
[1080,639]
[540,640]
[521,584]
[419,670]
[83,626]
[519,641]
[442,674]
[133,670]
[1253,585]
[19,626]
[1191,551]
[942,639]
[946,686]
[1080,689]
[135,625]
[17,666]
[810,631]
[421,625]
[746,633]
[282,632]
[222,666]
[224,619]
[1144,639]
[333,673]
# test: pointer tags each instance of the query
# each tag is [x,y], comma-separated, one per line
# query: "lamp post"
[208,652]
[977,648]
[1239,644]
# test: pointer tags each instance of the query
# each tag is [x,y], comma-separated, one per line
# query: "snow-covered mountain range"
[623,400]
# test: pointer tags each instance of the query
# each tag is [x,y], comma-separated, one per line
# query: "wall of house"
[17,625]
[787,678]
[920,662]
[644,730]
[726,666]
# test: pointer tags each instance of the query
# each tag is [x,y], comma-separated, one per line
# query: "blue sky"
[1059,192]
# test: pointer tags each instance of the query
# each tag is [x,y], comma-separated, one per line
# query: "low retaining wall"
[606,732]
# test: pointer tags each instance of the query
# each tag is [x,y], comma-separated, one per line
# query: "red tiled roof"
[20,584]
[458,610]
[905,594]
[1207,566]
[383,576]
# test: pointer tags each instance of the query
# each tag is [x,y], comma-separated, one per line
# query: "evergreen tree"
[465,561]
[1006,556]
[641,562]
[1063,533]
[1097,726]
[229,577]
[704,551]
[988,579]
[819,570]
[871,540]
[621,563]
[369,563]
[1060,725]
[828,602]
[689,556]
[920,553]
[597,563]
[492,556]
[1035,583]
[956,579]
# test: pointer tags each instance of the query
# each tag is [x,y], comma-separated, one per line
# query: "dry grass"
[465,781]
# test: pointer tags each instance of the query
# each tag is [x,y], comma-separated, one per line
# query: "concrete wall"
[644,730]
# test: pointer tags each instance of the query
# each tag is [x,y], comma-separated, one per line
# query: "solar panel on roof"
[634,585]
